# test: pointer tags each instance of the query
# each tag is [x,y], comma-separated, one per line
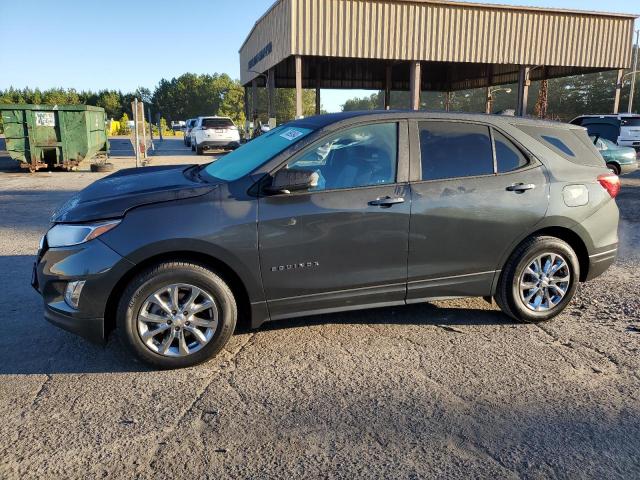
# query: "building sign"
[265,52]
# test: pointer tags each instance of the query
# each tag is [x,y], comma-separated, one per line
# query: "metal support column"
[299,110]
[489,105]
[271,93]
[635,71]
[616,102]
[523,91]
[415,82]
[318,104]
[247,113]
[387,88]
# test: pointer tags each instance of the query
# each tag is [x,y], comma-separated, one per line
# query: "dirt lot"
[452,389]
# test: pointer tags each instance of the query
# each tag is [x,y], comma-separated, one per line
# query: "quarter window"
[357,157]
[508,156]
[452,150]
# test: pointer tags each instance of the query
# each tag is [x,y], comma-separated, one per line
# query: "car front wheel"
[177,314]
[539,280]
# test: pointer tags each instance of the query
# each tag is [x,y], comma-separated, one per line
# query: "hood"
[113,196]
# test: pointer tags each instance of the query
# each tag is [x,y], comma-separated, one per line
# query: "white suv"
[214,132]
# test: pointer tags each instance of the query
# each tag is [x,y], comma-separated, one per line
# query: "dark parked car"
[620,160]
[332,213]
[190,123]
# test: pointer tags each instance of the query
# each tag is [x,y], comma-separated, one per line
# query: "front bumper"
[628,167]
[94,262]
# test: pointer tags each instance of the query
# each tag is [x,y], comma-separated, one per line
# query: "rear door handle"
[521,187]
[386,202]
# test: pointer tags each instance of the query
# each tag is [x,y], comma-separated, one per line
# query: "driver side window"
[358,157]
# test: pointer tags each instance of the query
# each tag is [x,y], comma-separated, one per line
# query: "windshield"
[255,153]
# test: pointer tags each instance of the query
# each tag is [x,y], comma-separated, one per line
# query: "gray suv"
[332,213]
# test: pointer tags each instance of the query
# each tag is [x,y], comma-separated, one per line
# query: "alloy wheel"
[545,282]
[177,320]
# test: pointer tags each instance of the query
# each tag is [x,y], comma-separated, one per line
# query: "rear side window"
[453,150]
[630,122]
[559,144]
[573,145]
[508,156]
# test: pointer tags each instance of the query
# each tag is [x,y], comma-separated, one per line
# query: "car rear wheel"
[177,314]
[193,146]
[199,150]
[539,280]
[613,168]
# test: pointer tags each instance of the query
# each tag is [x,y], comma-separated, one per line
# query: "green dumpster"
[47,136]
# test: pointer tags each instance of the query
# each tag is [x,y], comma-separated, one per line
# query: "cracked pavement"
[449,389]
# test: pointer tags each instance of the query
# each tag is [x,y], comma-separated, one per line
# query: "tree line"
[568,98]
[187,96]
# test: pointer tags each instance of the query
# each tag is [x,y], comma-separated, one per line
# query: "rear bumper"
[207,144]
[600,262]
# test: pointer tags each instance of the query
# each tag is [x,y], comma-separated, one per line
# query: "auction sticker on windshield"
[291,134]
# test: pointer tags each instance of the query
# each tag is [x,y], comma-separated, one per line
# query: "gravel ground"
[450,389]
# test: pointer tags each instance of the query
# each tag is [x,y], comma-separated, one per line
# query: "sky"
[93,45]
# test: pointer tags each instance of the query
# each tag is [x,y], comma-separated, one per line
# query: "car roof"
[321,121]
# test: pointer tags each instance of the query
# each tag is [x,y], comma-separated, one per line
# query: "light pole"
[490,92]
[619,87]
[633,74]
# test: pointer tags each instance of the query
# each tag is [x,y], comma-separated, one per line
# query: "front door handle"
[386,202]
[521,187]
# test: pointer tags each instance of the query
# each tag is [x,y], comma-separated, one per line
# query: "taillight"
[611,183]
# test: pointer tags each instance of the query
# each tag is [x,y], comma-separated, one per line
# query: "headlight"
[64,235]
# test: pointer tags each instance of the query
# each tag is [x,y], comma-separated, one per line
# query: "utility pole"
[135,126]
[153,148]
[635,71]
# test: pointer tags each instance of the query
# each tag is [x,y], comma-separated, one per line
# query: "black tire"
[199,150]
[102,167]
[615,168]
[193,147]
[156,277]
[508,295]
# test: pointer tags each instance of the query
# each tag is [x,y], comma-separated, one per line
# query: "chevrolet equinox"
[332,213]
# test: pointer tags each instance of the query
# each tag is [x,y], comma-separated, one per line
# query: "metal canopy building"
[420,45]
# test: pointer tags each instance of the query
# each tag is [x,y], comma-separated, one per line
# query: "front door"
[343,243]
[467,209]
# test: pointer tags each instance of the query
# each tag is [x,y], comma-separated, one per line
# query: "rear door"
[468,206]
[344,243]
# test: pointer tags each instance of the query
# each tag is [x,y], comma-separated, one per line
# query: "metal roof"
[460,39]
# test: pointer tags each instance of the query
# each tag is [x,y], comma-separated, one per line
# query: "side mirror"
[289,180]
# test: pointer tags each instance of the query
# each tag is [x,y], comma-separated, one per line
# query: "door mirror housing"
[289,180]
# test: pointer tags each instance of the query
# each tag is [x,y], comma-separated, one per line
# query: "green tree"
[111,101]
[124,125]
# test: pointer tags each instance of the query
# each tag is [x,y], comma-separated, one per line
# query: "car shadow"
[51,350]
[416,314]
